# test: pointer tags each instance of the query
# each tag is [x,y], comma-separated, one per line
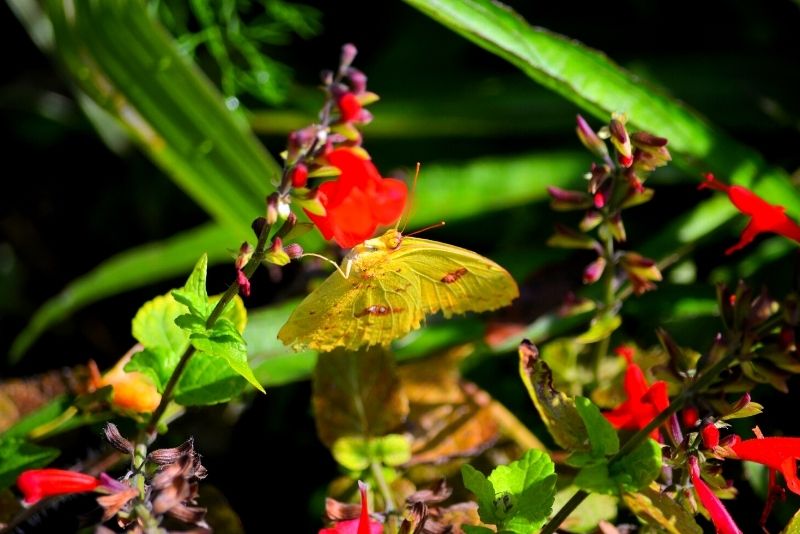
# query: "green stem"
[609,298]
[230,293]
[700,384]
[377,472]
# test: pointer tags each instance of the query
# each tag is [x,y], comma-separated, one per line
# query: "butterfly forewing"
[389,293]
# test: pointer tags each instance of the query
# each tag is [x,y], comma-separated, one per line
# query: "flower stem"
[609,298]
[699,384]
[386,492]
[230,293]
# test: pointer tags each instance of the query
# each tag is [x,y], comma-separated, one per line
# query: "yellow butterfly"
[387,286]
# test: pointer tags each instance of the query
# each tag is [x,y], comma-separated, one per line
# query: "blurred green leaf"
[589,513]
[50,411]
[17,455]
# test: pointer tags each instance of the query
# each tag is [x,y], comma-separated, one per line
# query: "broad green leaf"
[193,294]
[592,81]
[158,363]
[391,450]
[516,497]
[208,380]
[47,413]
[17,455]
[661,511]
[357,453]
[357,394]
[556,409]
[602,436]
[639,467]
[474,529]
[128,270]
[224,341]
[531,479]
[352,452]
[585,518]
[600,329]
[154,324]
[793,527]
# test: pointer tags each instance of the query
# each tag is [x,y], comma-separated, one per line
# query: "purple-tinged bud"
[621,141]
[594,271]
[648,140]
[651,151]
[566,237]
[349,52]
[598,175]
[358,80]
[326,76]
[273,202]
[730,441]
[293,250]
[276,255]
[565,200]
[245,253]
[590,220]
[641,271]
[287,226]
[617,228]
[244,283]
[602,195]
[590,139]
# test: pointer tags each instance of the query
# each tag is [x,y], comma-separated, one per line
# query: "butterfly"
[387,286]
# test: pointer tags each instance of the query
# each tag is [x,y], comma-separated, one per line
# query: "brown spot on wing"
[377,310]
[449,278]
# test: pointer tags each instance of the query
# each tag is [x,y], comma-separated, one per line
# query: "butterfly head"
[388,242]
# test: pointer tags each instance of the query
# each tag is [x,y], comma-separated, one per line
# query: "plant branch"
[386,492]
[700,383]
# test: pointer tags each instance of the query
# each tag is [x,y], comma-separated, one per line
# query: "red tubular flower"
[36,484]
[722,520]
[358,200]
[765,217]
[644,402]
[777,453]
[349,107]
[710,435]
[363,525]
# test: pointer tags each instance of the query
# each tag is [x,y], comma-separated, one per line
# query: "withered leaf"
[556,409]
[357,394]
[660,510]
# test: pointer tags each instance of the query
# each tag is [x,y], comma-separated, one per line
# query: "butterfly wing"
[371,307]
[455,280]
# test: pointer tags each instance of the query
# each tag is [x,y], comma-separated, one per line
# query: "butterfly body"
[392,282]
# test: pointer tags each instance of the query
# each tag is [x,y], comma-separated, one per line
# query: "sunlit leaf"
[661,511]
[585,518]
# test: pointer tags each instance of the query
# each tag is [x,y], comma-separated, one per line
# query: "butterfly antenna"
[413,190]
[320,256]
[425,229]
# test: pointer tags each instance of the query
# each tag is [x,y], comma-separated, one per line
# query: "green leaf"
[128,270]
[154,325]
[556,409]
[224,341]
[602,435]
[600,329]
[638,468]
[158,363]
[47,413]
[661,511]
[17,455]
[593,82]
[585,518]
[357,453]
[208,380]
[793,527]
[516,497]
[193,294]
[391,450]
[357,394]
[474,529]
[352,452]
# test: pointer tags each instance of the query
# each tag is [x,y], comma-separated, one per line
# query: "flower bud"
[590,139]
[299,175]
[617,228]
[710,435]
[36,484]
[293,250]
[349,52]
[689,416]
[565,200]
[566,237]
[245,253]
[349,107]
[641,271]
[621,141]
[651,151]
[276,255]
[258,225]
[358,80]
[272,208]
[590,220]
[244,282]
[287,226]
[594,270]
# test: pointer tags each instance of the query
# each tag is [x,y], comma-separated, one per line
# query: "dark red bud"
[689,416]
[299,175]
[648,140]
[617,130]
[294,250]
[244,283]
[710,434]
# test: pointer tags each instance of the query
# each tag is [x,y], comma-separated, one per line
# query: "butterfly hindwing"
[389,291]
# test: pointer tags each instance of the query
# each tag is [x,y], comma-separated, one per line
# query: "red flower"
[777,453]
[644,403]
[765,217]
[722,520]
[36,484]
[363,525]
[358,200]
[710,435]
[349,107]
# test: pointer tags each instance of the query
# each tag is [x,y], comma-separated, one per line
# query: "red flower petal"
[722,520]
[35,484]
[349,107]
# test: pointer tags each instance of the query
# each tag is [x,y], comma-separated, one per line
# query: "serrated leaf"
[602,435]
[532,480]
[224,341]
[638,468]
[479,485]
[585,518]
[193,294]
[192,324]
[208,380]
[661,511]
[154,324]
[158,363]
[17,455]
[357,394]
[556,409]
